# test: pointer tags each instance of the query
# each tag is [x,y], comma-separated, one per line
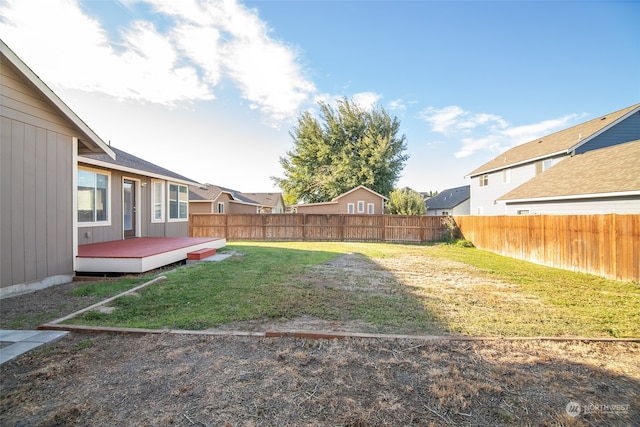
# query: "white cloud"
[443,119]
[397,104]
[366,100]
[482,131]
[201,43]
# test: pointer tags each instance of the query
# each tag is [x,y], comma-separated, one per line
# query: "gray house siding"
[626,131]
[36,219]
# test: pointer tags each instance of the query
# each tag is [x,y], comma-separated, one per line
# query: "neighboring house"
[40,141]
[597,182]
[491,181]
[129,197]
[359,200]
[453,201]
[269,202]
[209,198]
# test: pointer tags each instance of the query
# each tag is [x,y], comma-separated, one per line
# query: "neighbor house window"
[178,202]
[484,180]
[93,197]
[157,201]
[370,208]
[350,208]
[523,212]
[360,206]
[220,207]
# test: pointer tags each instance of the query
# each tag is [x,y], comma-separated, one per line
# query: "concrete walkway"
[24,341]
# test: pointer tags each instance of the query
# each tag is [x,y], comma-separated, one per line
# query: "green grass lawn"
[491,295]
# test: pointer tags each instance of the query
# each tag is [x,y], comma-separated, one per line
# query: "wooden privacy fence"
[606,245]
[320,227]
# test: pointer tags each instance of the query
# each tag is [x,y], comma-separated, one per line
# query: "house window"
[178,202]
[220,207]
[350,208]
[484,180]
[506,176]
[546,164]
[157,201]
[360,206]
[93,197]
[370,208]
[445,213]
[522,212]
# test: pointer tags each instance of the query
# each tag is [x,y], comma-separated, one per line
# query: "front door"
[129,208]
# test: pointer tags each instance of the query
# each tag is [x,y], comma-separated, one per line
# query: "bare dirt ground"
[190,380]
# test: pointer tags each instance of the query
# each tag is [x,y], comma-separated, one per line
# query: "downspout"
[74,199]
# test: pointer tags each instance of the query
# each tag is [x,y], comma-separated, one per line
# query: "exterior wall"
[626,131]
[483,199]
[36,207]
[361,195]
[340,205]
[201,207]
[222,198]
[239,208]
[145,227]
[324,208]
[618,205]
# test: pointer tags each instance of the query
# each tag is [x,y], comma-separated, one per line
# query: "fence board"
[606,245]
[319,227]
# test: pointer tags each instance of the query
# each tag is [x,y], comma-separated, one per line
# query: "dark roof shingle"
[449,199]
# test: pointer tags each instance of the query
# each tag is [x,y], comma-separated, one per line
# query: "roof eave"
[99,146]
[107,165]
[572,197]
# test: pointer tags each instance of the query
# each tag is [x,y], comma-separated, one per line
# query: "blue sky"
[211,89]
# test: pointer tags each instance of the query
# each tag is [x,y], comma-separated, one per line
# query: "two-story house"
[522,163]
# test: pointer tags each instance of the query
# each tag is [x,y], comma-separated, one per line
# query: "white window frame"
[546,164]
[179,219]
[350,208]
[371,209]
[218,206]
[523,212]
[161,202]
[484,180]
[106,222]
[360,206]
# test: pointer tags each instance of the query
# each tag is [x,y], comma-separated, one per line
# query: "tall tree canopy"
[406,202]
[348,146]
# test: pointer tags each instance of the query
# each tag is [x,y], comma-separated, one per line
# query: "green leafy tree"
[348,146]
[406,202]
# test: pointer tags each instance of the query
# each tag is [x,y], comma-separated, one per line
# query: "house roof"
[210,192]
[130,163]
[613,170]
[563,141]
[89,141]
[264,199]
[450,198]
[335,199]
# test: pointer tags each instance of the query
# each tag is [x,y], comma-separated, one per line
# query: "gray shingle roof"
[211,192]
[607,170]
[449,199]
[130,161]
